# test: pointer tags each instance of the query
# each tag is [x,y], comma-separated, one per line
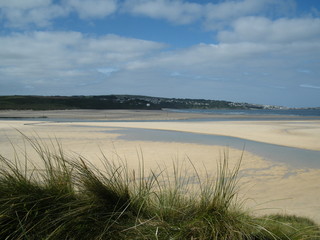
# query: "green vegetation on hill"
[69,198]
[109,102]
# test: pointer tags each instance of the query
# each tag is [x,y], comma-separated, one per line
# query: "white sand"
[300,134]
[268,186]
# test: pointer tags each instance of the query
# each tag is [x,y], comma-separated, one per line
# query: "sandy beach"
[268,186]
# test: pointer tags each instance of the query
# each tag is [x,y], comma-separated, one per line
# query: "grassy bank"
[68,198]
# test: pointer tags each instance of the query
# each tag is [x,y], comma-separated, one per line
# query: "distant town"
[119,102]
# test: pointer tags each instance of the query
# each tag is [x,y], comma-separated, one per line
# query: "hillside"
[114,102]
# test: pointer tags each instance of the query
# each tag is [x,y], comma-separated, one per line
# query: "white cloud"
[273,51]
[24,4]
[107,71]
[261,29]
[20,13]
[214,16]
[93,8]
[233,9]
[40,13]
[309,86]
[176,74]
[175,11]
[271,68]
[219,15]
[38,57]
[120,44]
[207,56]
[305,71]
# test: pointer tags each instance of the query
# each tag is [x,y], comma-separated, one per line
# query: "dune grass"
[70,198]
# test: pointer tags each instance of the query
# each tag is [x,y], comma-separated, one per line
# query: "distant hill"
[114,102]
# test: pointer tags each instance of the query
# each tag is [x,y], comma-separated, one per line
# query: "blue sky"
[257,51]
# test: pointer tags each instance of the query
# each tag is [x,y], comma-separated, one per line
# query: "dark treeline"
[108,102]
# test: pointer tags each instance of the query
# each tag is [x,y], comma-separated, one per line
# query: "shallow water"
[251,112]
[295,157]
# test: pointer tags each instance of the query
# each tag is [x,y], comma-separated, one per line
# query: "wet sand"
[268,186]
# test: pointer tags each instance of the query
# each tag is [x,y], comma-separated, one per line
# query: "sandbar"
[292,133]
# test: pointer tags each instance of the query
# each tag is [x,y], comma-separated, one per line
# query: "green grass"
[69,198]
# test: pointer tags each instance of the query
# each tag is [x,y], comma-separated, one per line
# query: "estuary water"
[252,112]
[294,157]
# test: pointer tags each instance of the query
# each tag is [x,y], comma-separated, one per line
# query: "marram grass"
[69,198]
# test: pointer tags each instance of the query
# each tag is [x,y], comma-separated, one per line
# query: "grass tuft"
[64,197]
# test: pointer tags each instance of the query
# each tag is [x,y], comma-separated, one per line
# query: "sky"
[255,51]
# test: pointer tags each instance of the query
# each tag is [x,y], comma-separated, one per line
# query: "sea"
[307,112]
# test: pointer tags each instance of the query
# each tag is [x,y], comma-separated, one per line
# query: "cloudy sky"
[257,51]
